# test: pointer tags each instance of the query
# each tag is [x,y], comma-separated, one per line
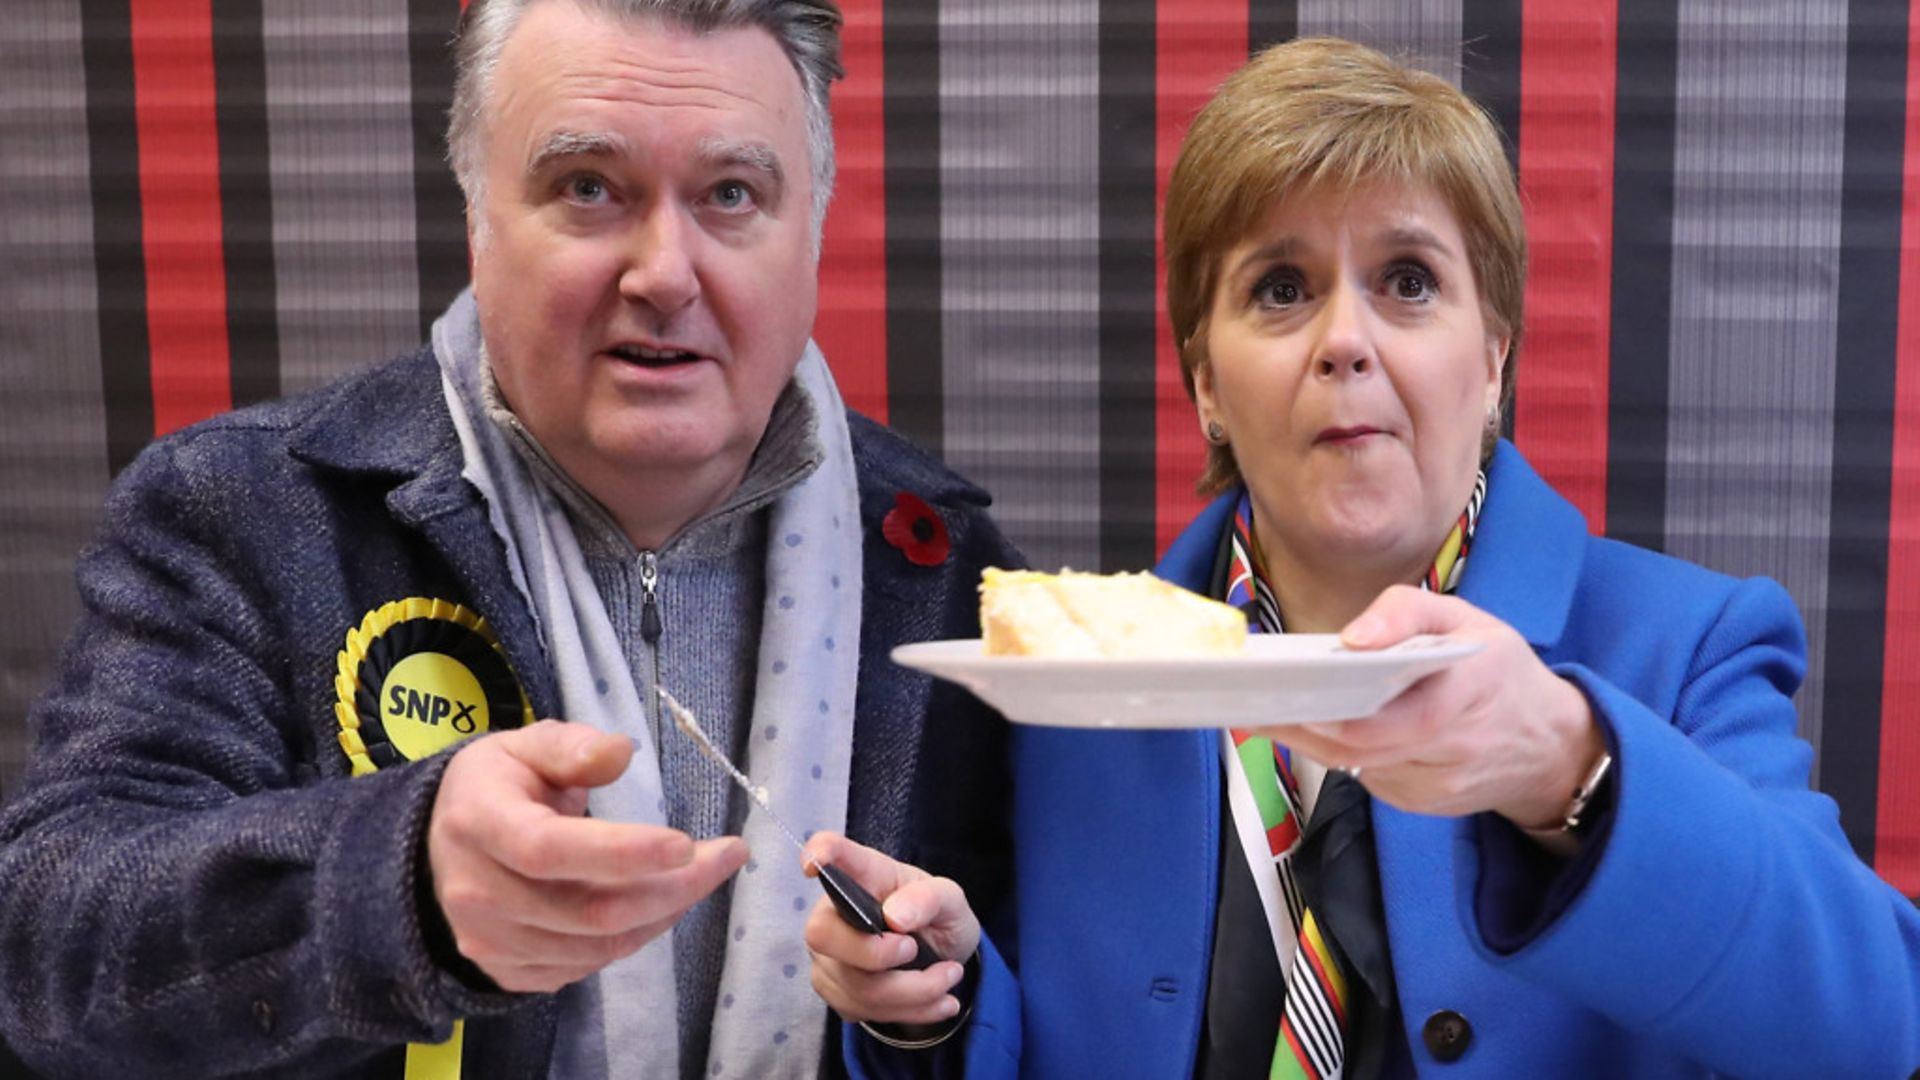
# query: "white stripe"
[1312,1024]
[1253,847]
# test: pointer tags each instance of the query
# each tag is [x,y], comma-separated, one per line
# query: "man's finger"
[828,935]
[875,872]
[534,842]
[569,755]
[919,904]
[891,997]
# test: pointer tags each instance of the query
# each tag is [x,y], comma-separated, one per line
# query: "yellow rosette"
[416,676]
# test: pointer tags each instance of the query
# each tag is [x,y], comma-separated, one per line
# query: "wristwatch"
[1577,817]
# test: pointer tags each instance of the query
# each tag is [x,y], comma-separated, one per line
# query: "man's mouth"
[646,356]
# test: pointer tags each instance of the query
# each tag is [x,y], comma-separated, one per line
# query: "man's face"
[642,262]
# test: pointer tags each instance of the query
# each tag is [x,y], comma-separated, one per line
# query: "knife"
[856,905]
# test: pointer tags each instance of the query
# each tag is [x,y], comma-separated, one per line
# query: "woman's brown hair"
[1322,114]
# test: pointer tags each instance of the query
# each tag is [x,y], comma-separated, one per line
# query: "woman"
[1589,849]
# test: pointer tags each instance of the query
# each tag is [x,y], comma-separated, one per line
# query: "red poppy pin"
[914,528]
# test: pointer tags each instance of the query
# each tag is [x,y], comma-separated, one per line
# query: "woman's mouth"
[1344,436]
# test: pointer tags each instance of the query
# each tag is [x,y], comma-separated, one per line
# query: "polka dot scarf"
[769,1022]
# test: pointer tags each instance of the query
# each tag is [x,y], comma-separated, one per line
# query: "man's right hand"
[538,895]
[858,973]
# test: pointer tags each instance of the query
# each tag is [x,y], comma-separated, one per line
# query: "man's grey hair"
[808,31]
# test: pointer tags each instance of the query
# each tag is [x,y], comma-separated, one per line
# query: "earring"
[1216,434]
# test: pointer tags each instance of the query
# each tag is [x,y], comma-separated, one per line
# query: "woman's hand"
[1495,732]
[853,971]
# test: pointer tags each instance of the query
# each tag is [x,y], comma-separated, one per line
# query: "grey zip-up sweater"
[688,617]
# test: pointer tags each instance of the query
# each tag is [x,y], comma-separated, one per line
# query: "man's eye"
[732,195]
[586,189]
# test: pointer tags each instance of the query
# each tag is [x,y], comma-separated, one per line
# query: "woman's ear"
[1499,347]
[1203,397]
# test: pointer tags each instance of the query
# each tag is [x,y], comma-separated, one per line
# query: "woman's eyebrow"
[1413,236]
[1280,250]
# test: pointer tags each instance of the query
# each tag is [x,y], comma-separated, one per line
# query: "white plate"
[1278,679]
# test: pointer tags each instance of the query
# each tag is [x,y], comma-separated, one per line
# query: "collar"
[1527,554]
[789,452]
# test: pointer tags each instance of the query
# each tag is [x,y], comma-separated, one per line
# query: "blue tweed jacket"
[190,882]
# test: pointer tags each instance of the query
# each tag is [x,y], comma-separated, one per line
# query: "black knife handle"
[862,912]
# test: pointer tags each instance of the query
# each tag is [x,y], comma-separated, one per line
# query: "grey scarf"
[800,739]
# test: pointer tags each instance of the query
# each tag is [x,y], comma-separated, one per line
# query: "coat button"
[263,1015]
[1447,1034]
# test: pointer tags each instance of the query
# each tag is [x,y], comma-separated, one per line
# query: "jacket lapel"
[394,425]
[1525,565]
[1527,552]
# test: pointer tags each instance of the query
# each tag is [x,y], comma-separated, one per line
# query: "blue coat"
[191,884]
[1726,925]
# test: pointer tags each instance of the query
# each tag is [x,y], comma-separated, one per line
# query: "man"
[618,468]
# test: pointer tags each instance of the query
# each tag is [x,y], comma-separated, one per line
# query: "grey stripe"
[1019,109]
[1425,34]
[53,460]
[1756,233]
[338,102]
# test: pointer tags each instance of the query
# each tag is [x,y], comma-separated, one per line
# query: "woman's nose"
[1344,347]
[660,272]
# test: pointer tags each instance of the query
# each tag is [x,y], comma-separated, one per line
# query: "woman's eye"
[732,195]
[1278,290]
[1412,283]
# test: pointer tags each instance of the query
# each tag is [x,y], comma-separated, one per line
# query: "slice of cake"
[1129,616]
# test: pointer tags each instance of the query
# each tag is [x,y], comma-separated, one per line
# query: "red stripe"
[1897,814]
[1567,80]
[180,209]
[852,324]
[1326,984]
[1200,42]
[1282,836]
[1293,1043]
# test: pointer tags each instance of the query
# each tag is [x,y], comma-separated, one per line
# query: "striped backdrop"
[208,202]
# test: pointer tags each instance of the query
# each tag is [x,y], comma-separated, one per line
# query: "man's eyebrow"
[758,156]
[560,145]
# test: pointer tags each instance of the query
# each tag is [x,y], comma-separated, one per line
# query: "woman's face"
[1350,363]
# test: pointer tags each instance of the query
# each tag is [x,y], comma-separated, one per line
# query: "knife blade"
[857,907]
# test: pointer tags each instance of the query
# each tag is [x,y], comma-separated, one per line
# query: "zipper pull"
[649,600]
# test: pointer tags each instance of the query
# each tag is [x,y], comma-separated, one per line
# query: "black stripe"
[1128,334]
[439,223]
[1312,1020]
[1270,22]
[1863,380]
[1642,271]
[911,117]
[246,200]
[1490,64]
[119,257]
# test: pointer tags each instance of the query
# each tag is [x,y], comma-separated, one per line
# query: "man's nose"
[660,271]
[1344,345]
